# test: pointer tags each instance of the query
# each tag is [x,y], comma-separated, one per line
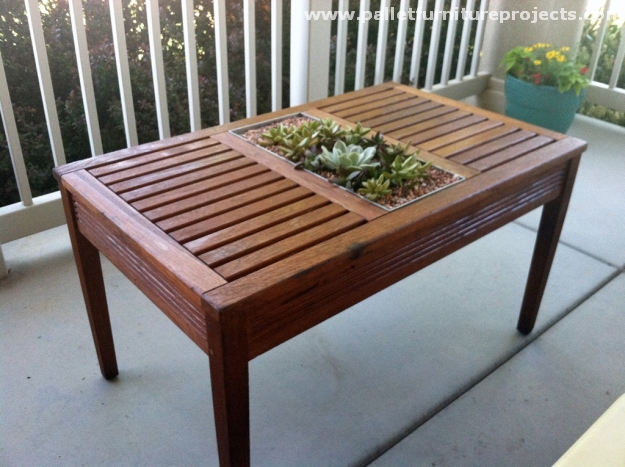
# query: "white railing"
[309,74]
[607,94]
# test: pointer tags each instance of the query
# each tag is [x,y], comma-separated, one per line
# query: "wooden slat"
[141,181]
[513,152]
[360,100]
[193,235]
[186,179]
[383,118]
[228,202]
[257,224]
[412,130]
[163,164]
[392,108]
[211,196]
[393,124]
[459,135]
[370,105]
[273,234]
[150,156]
[289,246]
[476,140]
[196,188]
[469,121]
[492,147]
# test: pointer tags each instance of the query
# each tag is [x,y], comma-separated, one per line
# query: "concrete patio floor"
[430,372]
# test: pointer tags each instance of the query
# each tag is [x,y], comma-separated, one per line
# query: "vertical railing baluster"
[479,38]
[380,56]
[596,53]
[276,55]
[434,42]
[221,52]
[400,47]
[361,47]
[249,39]
[123,72]
[450,42]
[190,55]
[84,74]
[299,59]
[158,68]
[464,41]
[341,48]
[618,62]
[13,140]
[45,81]
[417,47]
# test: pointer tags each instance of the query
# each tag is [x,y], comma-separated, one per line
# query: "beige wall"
[501,37]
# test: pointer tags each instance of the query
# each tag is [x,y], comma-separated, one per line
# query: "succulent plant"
[356,135]
[274,136]
[295,145]
[348,157]
[388,153]
[330,132]
[375,188]
[406,169]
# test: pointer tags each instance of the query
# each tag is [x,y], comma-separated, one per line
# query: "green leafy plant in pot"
[545,85]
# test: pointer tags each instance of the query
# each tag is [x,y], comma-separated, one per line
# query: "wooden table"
[243,253]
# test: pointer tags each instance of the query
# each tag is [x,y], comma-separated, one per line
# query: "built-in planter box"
[400,194]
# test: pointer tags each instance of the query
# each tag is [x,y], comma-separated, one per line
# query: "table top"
[207,223]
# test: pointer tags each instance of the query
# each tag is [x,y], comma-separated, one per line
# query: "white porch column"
[500,37]
[310,51]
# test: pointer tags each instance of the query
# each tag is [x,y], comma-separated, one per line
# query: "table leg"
[551,223]
[92,283]
[227,351]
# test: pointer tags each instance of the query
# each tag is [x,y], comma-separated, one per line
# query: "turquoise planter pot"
[544,106]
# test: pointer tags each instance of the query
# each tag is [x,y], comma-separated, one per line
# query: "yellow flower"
[552,54]
[561,58]
[529,49]
[537,62]
[565,49]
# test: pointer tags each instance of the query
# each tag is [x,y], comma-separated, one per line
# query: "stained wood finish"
[243,252]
